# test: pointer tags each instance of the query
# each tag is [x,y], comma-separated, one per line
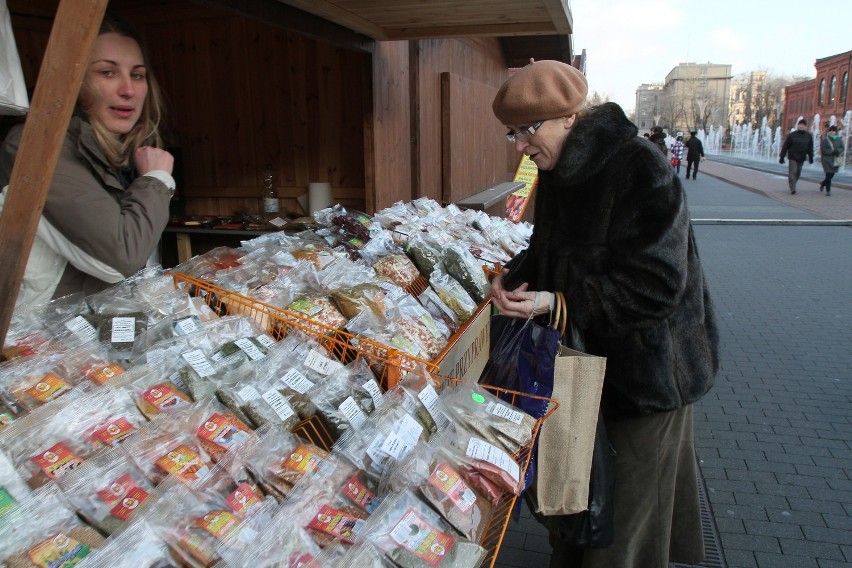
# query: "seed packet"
[489,417]
[41,529]
[434,473]
[169,447]
[412,535]
[108,491]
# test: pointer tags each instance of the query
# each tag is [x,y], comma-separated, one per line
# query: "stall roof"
[533,28]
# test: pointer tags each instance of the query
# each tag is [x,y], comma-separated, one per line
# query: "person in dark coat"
[694,153]
[658,137]
[798,146]
[612,233]
[831,151]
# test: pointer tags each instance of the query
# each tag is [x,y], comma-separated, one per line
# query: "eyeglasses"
[524,133]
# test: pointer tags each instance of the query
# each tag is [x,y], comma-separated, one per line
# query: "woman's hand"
[519,303]
[147,159]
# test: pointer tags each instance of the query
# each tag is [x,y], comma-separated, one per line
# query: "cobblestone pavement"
[773,436]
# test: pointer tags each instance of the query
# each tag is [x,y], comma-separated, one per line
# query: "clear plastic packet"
[232,354]
[347,398]
[465,268]
[119,327]
[325,515]
[453,294]
[171,327]
[36,329]
[362,555]
[486,467]
[435,474]
[345,273]
[108,491]
[91,362]
[413,323]
[137,547]
[281,543]
[12,487]
[218,430]
[425,252]
[438,309]
[196,524]
[367,296]
[397,268]
[169,447]
[490,418]
[42,528]
[412,535]
[153,392]
[31,382]
[419,397]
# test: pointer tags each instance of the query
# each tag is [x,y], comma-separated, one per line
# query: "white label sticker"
[81,328]
[186,326]
[482,450]
[375,393]
[466,500]
[266,341]
[320,363]
[504,411]
[297,381]
[123,330]
[408,429]
[248,393]
[198,362]
[250,349]
[353,412]
[393,291]
[430,399]
[395,447]
[279,404]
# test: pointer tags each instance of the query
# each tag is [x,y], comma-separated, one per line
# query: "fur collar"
[590,145]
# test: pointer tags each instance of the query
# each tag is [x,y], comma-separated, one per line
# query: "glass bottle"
[270,195]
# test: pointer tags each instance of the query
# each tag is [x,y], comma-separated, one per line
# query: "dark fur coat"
[612,232]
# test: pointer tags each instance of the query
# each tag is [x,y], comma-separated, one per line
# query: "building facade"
[696,96]
[828,95]
[649,97]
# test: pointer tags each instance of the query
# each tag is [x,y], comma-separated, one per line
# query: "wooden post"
[62,69]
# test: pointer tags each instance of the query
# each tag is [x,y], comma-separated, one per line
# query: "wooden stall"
[386,100]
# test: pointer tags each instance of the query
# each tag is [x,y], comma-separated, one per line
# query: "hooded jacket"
[612,232]
[96,228]
[799,145]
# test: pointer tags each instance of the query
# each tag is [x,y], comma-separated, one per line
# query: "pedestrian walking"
[694,154]
[798,146]
[658,137]
[831,148]
[677,153]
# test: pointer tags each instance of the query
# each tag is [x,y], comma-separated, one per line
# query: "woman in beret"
[612,233]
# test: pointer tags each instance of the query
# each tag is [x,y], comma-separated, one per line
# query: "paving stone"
[820,534]
[740,559]
[735,526]
[828,507]
[779,489]
[769,560]
[769,528]
[730,485]
[811,549]
[802,480]
[755,543]
[749,475]
[823,563]
[774,501]
[794,517]
[843,522]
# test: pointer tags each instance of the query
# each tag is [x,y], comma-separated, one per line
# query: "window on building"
[821,93]
[831,88]
[844,86]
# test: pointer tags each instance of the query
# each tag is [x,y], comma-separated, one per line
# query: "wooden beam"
[560,14]
[65,62]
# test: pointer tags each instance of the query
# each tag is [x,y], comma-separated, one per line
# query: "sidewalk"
[774,435]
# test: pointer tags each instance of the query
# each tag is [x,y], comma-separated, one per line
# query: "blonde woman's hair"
[118,148]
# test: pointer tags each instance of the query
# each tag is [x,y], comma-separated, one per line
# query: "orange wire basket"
[391,362]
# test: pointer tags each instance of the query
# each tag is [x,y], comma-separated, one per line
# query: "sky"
[631,42]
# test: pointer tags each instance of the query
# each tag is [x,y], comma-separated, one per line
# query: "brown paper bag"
[567,438]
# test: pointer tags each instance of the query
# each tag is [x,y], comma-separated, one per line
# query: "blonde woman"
[109,198]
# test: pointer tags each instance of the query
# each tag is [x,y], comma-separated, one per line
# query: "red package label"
[184,464]
[50,387]
[114,432]
[359,494]
[305,459]
[124,495]
[219,523]
[420,538]
[225,430]
[242,500]
[165,397]
[447,480]
[57,461]
[336,523]
[102,373]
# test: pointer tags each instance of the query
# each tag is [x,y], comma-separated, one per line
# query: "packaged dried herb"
[412,535]
[465,268]
[493,419]
[347,398]
[137,547]
[453,294]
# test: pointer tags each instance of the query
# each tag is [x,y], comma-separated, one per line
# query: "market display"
[140,427]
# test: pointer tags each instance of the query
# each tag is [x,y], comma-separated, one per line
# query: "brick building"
[827,95]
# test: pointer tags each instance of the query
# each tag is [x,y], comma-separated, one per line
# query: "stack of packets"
[144,430]
[408,277]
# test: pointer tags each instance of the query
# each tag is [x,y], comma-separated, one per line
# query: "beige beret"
[540,91]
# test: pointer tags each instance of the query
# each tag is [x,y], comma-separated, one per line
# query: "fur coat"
[613,233]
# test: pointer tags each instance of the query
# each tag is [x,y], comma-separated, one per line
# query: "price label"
[279,404]
[123,330]
[266,341]
[187,326]
[504,411]
[80,327]
[375,393]
[353,413]
[297,381]
[250,349]
[482,450]
[321,364]
[199,363]
[248,393]
[430,399]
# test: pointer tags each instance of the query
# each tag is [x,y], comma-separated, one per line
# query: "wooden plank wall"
[242,94]
[478,62]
